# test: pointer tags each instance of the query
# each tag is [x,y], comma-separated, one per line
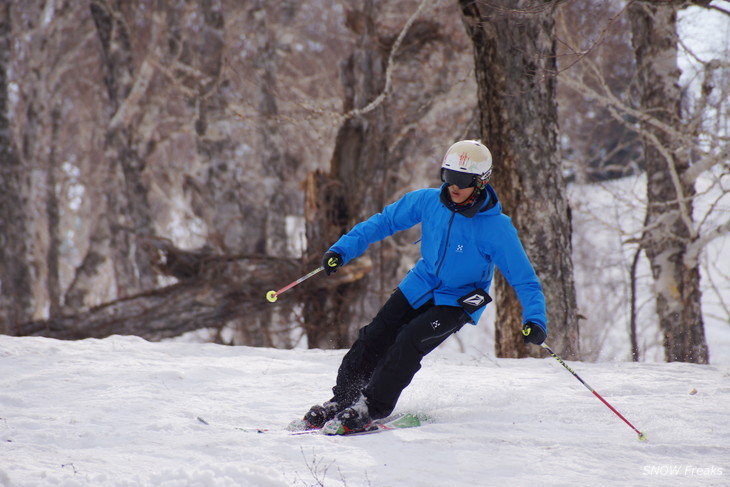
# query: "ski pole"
[272,295]
[642,436]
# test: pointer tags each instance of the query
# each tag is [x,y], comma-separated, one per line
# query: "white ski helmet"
[467,163]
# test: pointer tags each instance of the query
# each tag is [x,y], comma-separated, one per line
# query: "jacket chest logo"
[459,248]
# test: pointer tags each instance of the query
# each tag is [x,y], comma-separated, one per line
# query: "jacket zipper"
[446,246]
[443,257]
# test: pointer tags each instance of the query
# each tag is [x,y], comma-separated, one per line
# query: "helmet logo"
[463,159]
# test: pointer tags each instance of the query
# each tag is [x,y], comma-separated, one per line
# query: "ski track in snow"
[124,412]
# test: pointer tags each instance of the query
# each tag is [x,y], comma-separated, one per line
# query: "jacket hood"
[491,203]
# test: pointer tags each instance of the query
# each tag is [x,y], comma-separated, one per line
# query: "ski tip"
[420,418]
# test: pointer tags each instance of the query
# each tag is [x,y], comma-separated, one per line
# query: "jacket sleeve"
[515,266]
[403,214]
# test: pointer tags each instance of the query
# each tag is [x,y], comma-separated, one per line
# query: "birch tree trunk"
[514,51]
[670,228]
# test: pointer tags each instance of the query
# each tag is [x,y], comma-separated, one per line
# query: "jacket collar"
[486,200]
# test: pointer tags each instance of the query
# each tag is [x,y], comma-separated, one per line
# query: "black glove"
[533,333]
[331,261]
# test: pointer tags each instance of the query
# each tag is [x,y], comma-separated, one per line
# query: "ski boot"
[315,418]
[354,419]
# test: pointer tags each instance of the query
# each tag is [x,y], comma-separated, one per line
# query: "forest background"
[165,164]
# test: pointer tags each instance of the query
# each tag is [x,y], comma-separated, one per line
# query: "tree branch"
[356,112]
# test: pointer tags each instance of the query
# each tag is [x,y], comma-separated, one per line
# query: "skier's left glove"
[331,261]
[533,333]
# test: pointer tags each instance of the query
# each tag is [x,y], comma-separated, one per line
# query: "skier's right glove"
[533,333]
[331,261]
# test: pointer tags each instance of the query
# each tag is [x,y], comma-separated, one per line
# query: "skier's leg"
[372,343]
[414,341]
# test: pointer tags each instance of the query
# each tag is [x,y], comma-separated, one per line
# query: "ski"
[399,421]
[265,430]
[286,432]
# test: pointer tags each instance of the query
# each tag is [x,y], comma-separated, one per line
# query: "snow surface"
[124,412]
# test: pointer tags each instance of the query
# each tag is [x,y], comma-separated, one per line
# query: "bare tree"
[514,53]
[683,129]
[168,76]
[199,123]
[128,214]
[595,145]
[44,130]
[670,230]
[355,185]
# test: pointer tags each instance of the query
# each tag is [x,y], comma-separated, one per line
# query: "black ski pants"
[388,352]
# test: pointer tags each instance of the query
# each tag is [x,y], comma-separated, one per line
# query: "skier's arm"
[515,266]
[403,214]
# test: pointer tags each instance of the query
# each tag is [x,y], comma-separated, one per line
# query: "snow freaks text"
[683,470]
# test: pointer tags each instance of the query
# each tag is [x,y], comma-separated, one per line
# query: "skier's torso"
[454,253]
[458,253]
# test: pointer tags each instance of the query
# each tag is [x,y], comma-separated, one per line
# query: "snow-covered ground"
[124,412]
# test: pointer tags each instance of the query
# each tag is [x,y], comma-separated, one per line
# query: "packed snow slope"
[125,412]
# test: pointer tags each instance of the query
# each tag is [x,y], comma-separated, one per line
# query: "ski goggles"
[457,178]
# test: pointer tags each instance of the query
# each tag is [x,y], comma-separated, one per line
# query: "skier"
[464,235]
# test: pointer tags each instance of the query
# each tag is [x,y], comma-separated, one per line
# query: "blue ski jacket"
[458,250]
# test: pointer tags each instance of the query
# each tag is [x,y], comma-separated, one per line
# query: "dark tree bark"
[16,274]
[514,51]
[669,225]
[352,190]
[53,217]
